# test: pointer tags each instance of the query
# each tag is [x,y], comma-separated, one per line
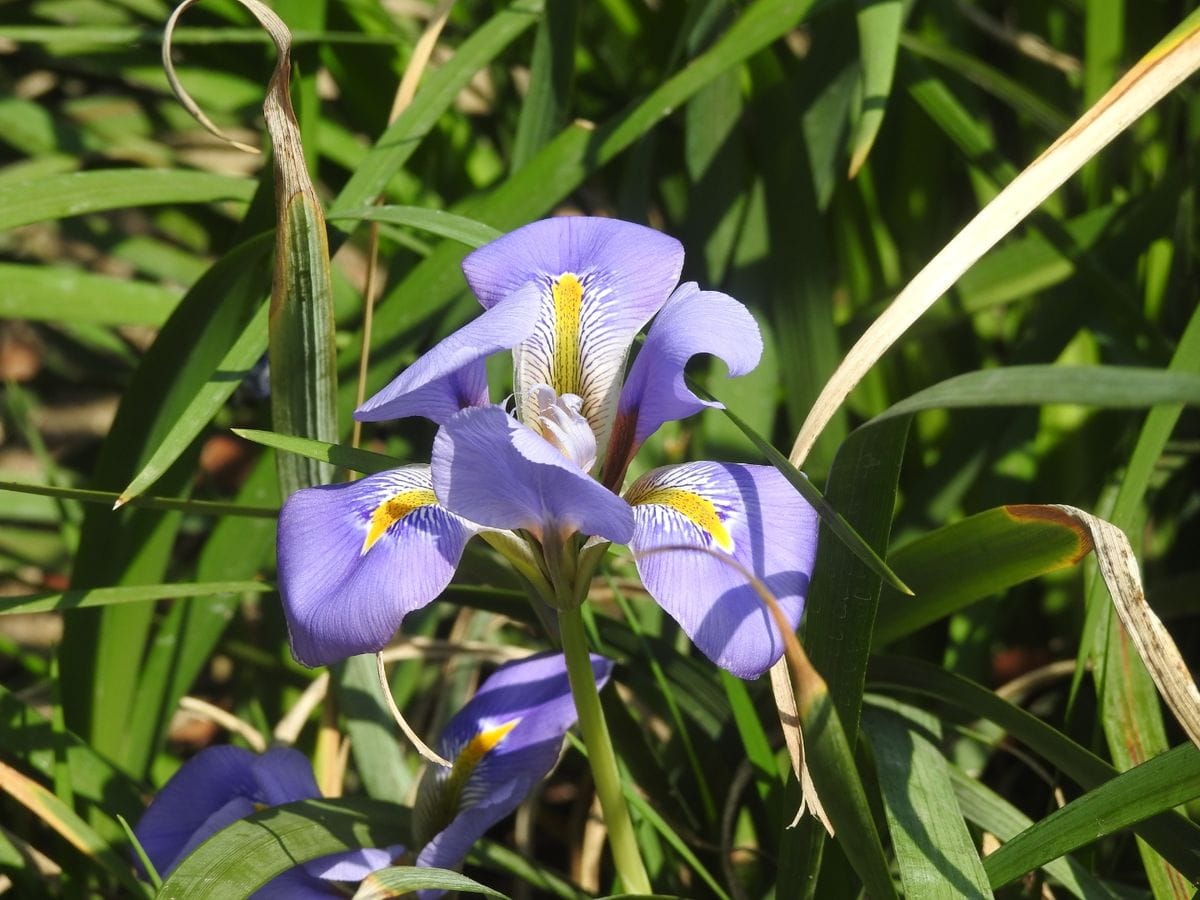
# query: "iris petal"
[296,884]
[356,558]
[284,775]
[353,865]
[600,281]
[221,785]
[452,375]
[202,789]
[748,512]
[692,322]
[520,715]
[534,691]
[495,471]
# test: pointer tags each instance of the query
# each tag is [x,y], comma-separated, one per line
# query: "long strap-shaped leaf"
[1155,75]
[301,345]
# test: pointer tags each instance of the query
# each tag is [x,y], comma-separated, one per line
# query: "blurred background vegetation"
[131,262]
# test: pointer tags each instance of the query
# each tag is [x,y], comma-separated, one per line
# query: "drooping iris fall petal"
[356,558]
[452,375]
[692,322]
[600,281]
[493,470]
[749,513]
[219,786]
[502,743]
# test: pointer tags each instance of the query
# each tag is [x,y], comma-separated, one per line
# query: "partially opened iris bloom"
[504,741]
[567,296]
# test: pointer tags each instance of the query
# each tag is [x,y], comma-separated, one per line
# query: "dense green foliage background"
[133,274]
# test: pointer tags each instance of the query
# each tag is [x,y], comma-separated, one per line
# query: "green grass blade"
[399,881]
[835,774]
[236,549]
[990,811]
[557,171]
[1131,717]
[1174,836]
[435,221]
[31,738]
[252,851]
[199,411]
[551,72]
[63,820]
[385,773]
[86,598]
[1157,785]
[499,858]
[23,202]
[134,546]
[1112,387]
[340,455]
[879,26]
[108,498]
[934,851]
[844,593]
[992,80]
[1152,78]
[53,293]
[841,611]
[981,555]
[644,810]
[437,92]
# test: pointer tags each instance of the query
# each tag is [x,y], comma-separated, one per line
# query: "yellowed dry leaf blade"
[1119,569]
[1155,76]
[39,801]
[793,736]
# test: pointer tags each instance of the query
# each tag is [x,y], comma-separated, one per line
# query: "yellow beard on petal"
[567,293]
[696,509]
[392,510]
[472,754]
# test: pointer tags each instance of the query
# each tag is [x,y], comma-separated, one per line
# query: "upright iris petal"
[749,513]
[356,558]
[495,471]
[600,281]
[219,786]
[692,322]
[502,743]
[452,375]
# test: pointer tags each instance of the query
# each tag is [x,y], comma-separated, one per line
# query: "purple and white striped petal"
[452,375]
[356,558]
[502,744]
[495,471]
[600,281]
[692,322]
[749,513]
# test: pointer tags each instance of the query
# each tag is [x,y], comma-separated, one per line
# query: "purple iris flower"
[567,296]
[220,785]
[501,744]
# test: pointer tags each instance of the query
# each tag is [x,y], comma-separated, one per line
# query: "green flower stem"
[626,855]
